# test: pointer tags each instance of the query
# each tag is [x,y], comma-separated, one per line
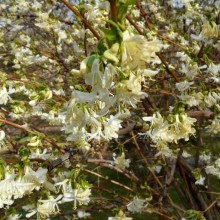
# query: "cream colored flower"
[2,137]
[34,142]
[30,181]
[120,216]
[14,217]
[120,162]
[137,205]
[82,214]
[111,127]
[4,97]
[200,181]
[136,51]
[79,195]
[8,189]
[46,207]
[170,132]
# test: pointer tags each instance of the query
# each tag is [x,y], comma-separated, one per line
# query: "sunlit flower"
[162,130]
[200,181]
[137,51]
[46,207]
[137,205]
[120,162]
[183,86]
[14,217]
[77,195]
[31,180]
[4,97]
[8,189]
[111,127]
[120,216]
[214,127]
[2,137]
[80,195]
[82,214]
[34,142]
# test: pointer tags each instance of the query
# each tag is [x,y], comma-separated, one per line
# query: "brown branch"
[210,206]
[85,22]
[7,122]
[145,159]
[197,196]
[135,25]
[198,146]
[168,181]
[143,14]
[201,114]
[127,129]
[108,164]
[167,67]
[113,10]
[58,161]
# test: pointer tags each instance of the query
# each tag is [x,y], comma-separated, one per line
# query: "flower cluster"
[14,186]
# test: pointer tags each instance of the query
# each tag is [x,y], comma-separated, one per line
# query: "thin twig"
[85,22]
[110,180]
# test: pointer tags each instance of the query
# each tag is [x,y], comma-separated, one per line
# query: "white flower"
[137,205]
[214,69]
[163,150]
[211,99]
[46,207]
[30,181]
[213,170]
[35,142]
[209,31]
[133,84]
[38,153]
[129,91]
[200,181]
[7,202]
[61,35]
[111,127]
[162,130]
[94,77]
[82,214]
[120,216]
[214,127]
[4,97]
[2,137]
[120,162]
[183,86]
[150,73]
[7,189]
[193,99]
[137,51]
[217,162]
[14,217]
[157,168]
[77,195]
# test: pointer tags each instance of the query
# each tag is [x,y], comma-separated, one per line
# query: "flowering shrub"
[109,108]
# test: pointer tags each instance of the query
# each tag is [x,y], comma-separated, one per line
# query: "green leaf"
[194,215]
[91,60]
[102,46]
[109,34]
[123,6]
